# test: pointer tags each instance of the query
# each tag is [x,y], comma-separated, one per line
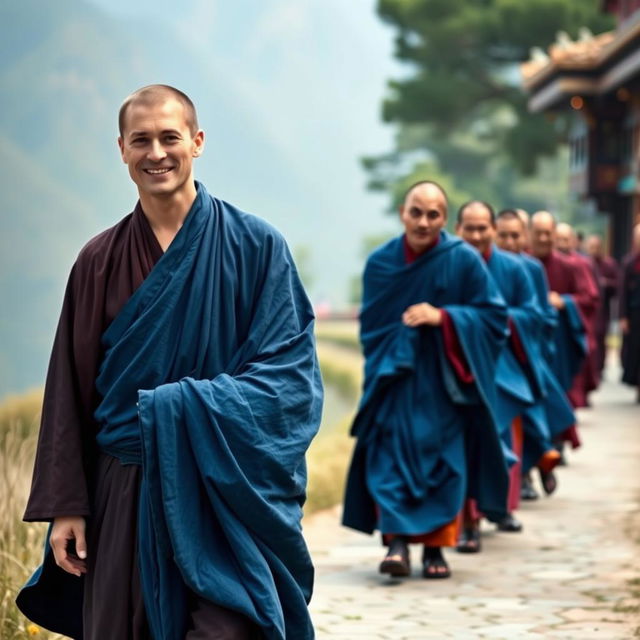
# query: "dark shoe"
[469,541]
[548,481]
[434,566]
[396,563]
[509,524]
[527,492]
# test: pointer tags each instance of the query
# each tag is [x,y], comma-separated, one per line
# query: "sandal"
[396,563]
[549,481]
[434,566]
[469,541]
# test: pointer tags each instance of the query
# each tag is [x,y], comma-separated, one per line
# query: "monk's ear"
[121,147]
[198,143]
[400,209]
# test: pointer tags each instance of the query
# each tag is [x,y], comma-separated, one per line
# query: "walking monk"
[588,377]
[517,380]
[606,270]
[572,298]
[182,393]
[551,414]
[432,326]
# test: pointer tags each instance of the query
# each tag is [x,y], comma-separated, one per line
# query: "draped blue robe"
[422,434]
[518,384]
[552,413]
[210,381]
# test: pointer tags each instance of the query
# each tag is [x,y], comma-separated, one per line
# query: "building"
[597,80]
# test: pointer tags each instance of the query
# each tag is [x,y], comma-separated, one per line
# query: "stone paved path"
[573,573]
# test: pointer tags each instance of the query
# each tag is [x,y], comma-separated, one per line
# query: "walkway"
[573,573]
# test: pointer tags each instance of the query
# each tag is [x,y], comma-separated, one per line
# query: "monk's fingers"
[69,563]
[73,566]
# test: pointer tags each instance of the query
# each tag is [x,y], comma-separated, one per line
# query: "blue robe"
[551,414]
[518,384]
[210,381]
[422,434]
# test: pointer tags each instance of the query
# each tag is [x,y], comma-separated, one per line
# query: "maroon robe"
[606,270]
[572,276]
[70,477]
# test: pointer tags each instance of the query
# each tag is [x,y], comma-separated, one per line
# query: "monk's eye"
[415,213]
[433,214]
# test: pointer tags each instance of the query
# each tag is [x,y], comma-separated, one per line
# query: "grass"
[20,543]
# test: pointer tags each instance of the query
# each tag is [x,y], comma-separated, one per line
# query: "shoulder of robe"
[463,251]
[253,232]
[97,249]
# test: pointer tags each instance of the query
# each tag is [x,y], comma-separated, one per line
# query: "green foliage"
[460,111]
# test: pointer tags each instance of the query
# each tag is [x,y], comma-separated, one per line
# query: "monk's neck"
[166,215]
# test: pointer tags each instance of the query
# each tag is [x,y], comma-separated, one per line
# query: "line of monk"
[478,348]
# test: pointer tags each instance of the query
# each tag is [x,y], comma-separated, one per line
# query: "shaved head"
[594,246]
[423,214]
[542,233]
[157,94]
[427,188]
[543,218]
[565,237]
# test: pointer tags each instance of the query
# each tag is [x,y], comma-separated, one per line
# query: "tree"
[461,109]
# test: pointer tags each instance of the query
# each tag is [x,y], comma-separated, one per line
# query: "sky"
[309,76]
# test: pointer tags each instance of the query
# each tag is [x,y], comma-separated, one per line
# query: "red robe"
[572,275]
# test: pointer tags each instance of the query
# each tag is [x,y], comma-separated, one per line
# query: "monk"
[630,313]
[606,270]
[432,325]
[588,377]
[551,414]
[572,299]
[183,391]
[517,379]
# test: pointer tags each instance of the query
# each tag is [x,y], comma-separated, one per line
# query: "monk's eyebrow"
[164,132]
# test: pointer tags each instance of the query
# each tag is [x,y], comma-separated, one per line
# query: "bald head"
[594,246]
[423,214]
[426,188]
[542,231]
[565,237]
[155,94]
[476,224]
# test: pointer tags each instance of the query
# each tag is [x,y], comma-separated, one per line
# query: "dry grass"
[20,543]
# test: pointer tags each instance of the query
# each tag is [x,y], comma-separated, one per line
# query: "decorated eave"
[589,66]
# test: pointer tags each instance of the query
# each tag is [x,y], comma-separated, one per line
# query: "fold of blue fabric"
[211,382]
[519,384]
[422,435]
[552,414]
[570,343]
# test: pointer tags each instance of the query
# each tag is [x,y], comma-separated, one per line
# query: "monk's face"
[594,246]
[423,214]
[563,239]
[476,227]
[158,147]
[510,234]
[542,235]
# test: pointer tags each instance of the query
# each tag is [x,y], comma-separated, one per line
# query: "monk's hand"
[624,325]
[423,313]
[69,544]
[556,300]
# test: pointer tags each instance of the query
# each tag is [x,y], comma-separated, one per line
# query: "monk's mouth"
[158,172]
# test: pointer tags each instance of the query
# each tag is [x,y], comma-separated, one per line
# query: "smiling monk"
[432,325]
[182,393]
